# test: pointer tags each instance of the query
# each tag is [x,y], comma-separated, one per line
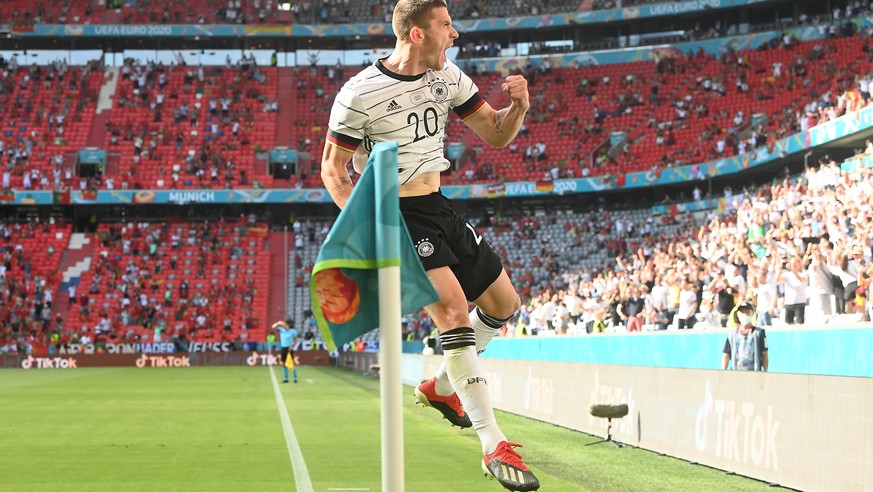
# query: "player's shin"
[468,380]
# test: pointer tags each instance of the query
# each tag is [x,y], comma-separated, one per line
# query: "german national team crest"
[440,91]
[425,248]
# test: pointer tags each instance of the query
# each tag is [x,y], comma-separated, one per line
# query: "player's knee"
[512,306]
[506,310]
[516,304]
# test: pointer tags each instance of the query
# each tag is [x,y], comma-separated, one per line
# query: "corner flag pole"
[363,260]
[388,239]
[390,383]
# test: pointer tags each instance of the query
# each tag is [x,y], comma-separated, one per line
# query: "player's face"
[438,37]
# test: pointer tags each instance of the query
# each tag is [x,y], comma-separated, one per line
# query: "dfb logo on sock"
[476,380]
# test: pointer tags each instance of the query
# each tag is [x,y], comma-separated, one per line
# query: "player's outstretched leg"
[501,461]
[438,392]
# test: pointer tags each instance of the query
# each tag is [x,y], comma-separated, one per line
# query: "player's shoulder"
[367,77]
[450,71]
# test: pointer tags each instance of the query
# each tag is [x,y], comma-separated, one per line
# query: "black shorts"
[442,237]
[285,351]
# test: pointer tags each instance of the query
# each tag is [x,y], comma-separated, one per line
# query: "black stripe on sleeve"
[464,109]
[345,140]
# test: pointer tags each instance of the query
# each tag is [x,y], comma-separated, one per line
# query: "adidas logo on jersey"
[393,106]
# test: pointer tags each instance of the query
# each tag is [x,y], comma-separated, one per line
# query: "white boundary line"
[301,474]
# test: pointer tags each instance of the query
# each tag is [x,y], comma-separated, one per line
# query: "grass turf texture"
[218,428]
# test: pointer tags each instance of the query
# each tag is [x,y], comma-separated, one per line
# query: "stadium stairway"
[112,163]
[97,134]
[278,293]
[285,116]
[76,259]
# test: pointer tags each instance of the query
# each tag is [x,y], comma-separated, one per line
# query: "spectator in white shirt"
[796,281]
[687,305]
[766,299]
[821,287]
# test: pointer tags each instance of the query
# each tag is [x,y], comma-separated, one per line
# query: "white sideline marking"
[301,474]
[310,381]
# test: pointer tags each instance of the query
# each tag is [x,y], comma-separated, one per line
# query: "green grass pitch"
[218,428]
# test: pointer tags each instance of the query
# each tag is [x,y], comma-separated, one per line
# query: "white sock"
[443,386]
[468,380]
[484,332]
[485,327]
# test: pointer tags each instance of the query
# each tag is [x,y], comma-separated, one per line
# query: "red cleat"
[505,465]
[449,406]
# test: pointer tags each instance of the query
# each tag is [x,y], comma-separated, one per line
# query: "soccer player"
[406,98]
[287,339]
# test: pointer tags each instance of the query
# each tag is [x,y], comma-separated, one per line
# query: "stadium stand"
[175,127]
[806,240]
[47,113]
[176,281]
[675,111]
[193,127]
[573,270]
[259,11]
[187,127]
[29,279]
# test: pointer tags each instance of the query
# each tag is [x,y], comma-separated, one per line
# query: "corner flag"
[368,234]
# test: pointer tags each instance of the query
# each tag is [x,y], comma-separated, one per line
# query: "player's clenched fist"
[515,89]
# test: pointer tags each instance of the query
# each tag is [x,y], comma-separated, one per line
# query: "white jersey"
[378,105]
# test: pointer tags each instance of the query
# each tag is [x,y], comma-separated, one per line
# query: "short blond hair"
[413,13]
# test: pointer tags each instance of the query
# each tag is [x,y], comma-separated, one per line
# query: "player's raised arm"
[498,128]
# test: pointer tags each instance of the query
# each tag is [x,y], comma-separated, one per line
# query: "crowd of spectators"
[189,139]
[832,90]
[846,10]
[187,143]
[141,266]
[733,132]
[147,283]
[694,108]
[799,250]
[320,12]
[42,106]
[259,11]
[29,259]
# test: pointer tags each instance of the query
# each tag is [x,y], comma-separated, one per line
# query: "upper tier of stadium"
[269,11]
[185,127]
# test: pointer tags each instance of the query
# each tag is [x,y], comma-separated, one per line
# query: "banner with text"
[761,425]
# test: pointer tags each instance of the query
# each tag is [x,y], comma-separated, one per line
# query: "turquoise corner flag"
[368,234]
